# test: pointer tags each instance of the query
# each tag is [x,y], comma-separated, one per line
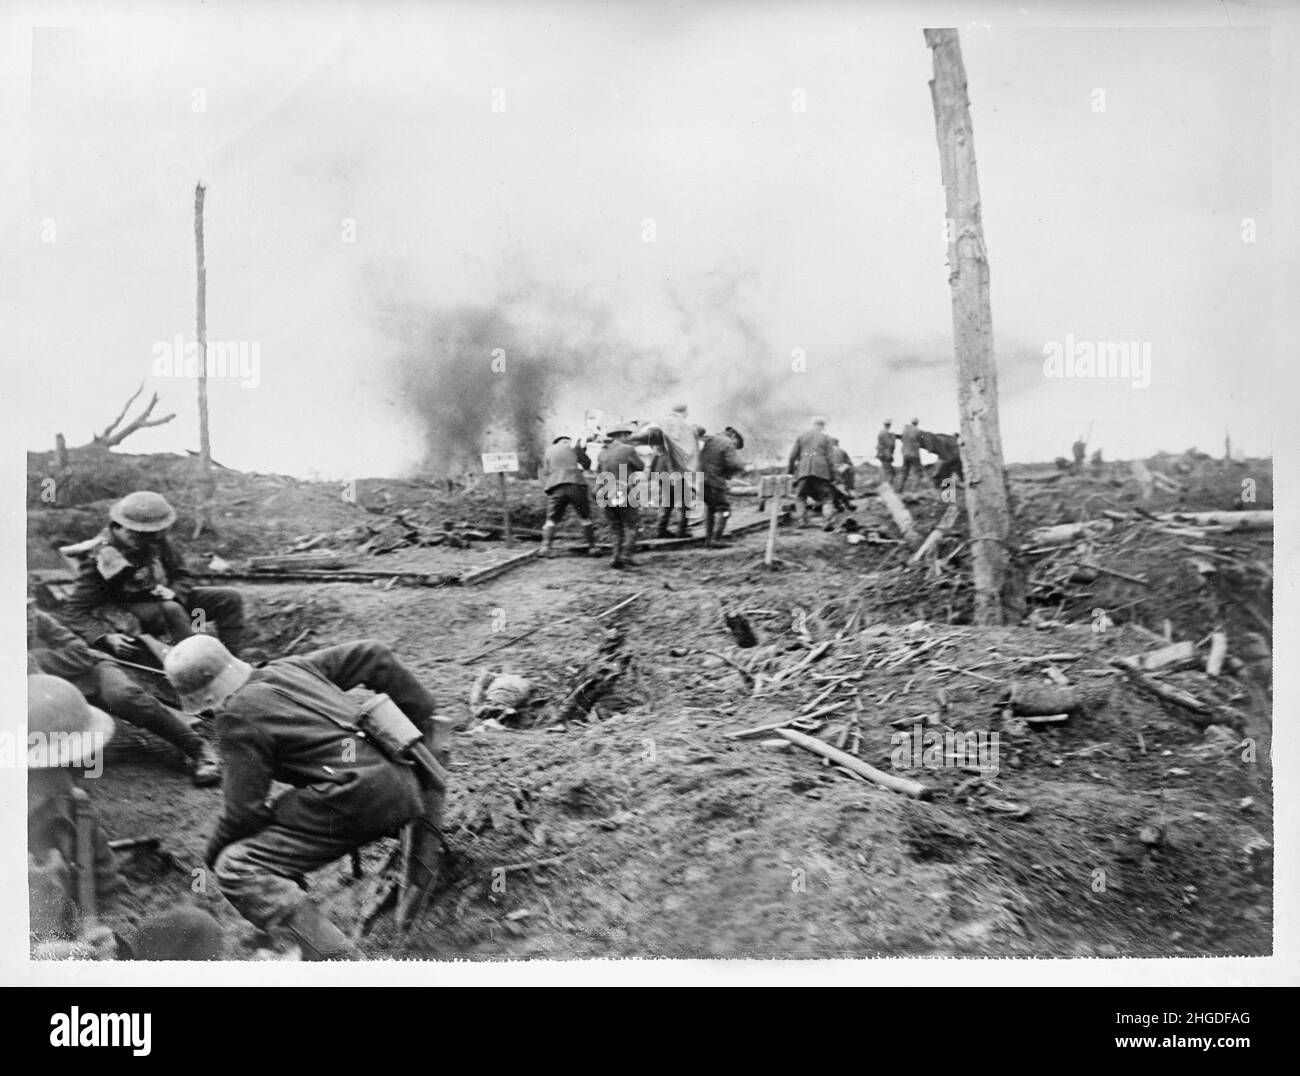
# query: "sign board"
[500,462]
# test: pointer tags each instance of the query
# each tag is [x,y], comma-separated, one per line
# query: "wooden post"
[999,588]
[205,446]
[773,487]
[505,508]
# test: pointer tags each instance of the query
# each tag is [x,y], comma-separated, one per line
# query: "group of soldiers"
[824,474]
[681,450]
[289,721]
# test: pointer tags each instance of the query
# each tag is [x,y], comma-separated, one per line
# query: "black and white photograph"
[617,488]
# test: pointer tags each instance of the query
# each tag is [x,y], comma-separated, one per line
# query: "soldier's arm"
[794,459]
[372,664]
[179,578]
[62,653]
[584,461]
[732,464]
[634,461]
[88,593]
[247,769]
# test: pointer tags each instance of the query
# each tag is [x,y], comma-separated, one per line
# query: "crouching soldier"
[81,907]
[812,463]
[53,649]
[292,721]
[132,579]
[719,461]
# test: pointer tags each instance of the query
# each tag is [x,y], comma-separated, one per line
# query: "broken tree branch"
[856,765]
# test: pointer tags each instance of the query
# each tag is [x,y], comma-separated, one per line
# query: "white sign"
[500,462]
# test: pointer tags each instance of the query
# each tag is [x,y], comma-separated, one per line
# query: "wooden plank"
[855,765]
[898,511]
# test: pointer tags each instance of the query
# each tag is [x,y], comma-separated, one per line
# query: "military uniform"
[53,649]
[618,461]
[292,722]
[885,452]
[564,482]
[53,868]
[812,462]
[117,591]
[911,438]
[719,461]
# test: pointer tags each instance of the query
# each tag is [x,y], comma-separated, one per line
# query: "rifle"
[84,855]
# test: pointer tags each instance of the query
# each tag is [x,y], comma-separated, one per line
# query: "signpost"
[499,463]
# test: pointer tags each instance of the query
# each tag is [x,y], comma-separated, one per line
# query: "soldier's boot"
[616,545]
[314,935]
[661,530]
[720,528]
[629,547]
[548,536]
[589,533]
[708,528]
[803,513]
[829,514]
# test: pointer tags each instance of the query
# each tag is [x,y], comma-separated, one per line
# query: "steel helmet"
[204,673]
[143,511]
[59,715]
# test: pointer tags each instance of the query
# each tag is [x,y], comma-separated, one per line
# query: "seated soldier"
[292,721]
[53,649]
[81,907]
[132,579]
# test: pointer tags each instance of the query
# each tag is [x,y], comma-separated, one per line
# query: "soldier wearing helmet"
[81,906]
[292,721]
[133,579]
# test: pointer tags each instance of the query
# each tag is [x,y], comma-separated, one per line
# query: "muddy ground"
[645,830]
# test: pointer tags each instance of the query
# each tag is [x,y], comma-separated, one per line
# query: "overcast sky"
[484,152]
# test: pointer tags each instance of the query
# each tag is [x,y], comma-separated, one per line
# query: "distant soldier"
[617,462]
[81,906]
[812,463]
[885,449]
[132,579]
[911,439]
[293,721]
[844,477]
[564,482]
[719,460]
[53,649]
[1080,450]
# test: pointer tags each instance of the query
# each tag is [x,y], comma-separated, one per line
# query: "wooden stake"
[999,587]
[898,510]
[206,485]
[505,509]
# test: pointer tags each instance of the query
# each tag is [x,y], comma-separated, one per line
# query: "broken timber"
[941,528]
[493,570]
[898,510]
[856,765]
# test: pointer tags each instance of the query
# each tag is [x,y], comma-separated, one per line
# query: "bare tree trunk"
[61,451]
[206,488]
[999,591]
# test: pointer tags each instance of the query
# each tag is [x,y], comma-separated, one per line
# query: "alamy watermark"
[648,489]
[1114,360]
[44,750]
[222,359]
[929,749]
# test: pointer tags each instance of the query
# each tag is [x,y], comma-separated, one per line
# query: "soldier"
[53,649]
[885,450]
[81,907]
[617,462]
[947,446]
[564,482]
[719,461]
[292,721]
[812,462]
[132,579]
[911,439]
[676,441]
